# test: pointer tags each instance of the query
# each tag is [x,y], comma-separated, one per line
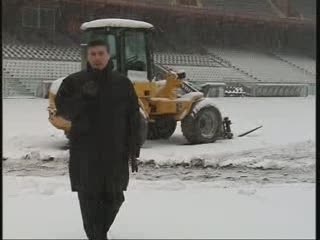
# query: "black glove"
[134,164]
[133,160]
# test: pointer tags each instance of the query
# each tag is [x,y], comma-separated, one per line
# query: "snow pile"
[292,156]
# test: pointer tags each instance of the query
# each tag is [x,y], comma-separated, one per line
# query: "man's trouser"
[98,212]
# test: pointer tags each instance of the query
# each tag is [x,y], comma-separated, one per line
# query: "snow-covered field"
[257,186]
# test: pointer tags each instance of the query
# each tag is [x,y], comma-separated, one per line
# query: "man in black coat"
[104,137]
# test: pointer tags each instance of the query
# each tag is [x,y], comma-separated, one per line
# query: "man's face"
[98,57]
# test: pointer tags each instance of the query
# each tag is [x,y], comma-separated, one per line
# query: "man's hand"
[134,163]
[134,154]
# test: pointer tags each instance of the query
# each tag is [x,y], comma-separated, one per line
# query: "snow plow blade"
[250,131]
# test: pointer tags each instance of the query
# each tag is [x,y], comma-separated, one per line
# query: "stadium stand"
[31,56]
[265,67]
[31,73]
[32,52]
[27,66]
[8,38]
[306,8]
[252,7]
[186,59]
[211,74]
[12,86]
[300,62]
[162,2]
[39,69]
[24,51]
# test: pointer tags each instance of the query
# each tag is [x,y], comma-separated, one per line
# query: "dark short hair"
[95,43]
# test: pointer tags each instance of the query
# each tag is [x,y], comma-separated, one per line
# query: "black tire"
[205,126]
[162,128]
[143,129]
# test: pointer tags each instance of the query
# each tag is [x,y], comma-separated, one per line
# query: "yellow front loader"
[163,102]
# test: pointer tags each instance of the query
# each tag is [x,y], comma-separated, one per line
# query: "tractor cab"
[130,45]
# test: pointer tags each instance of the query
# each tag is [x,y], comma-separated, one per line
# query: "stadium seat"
[265,67]
[252,7]
[306,10]
[24,51]
[30,73]
[185,59]
[211,74]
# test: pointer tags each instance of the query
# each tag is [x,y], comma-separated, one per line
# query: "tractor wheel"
[162,128]
[143,128]
[205,126]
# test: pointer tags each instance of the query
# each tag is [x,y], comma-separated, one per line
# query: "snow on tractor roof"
[115,22]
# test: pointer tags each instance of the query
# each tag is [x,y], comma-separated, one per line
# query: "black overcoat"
[103,108]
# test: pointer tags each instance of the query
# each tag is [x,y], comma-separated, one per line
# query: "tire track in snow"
[285,164]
